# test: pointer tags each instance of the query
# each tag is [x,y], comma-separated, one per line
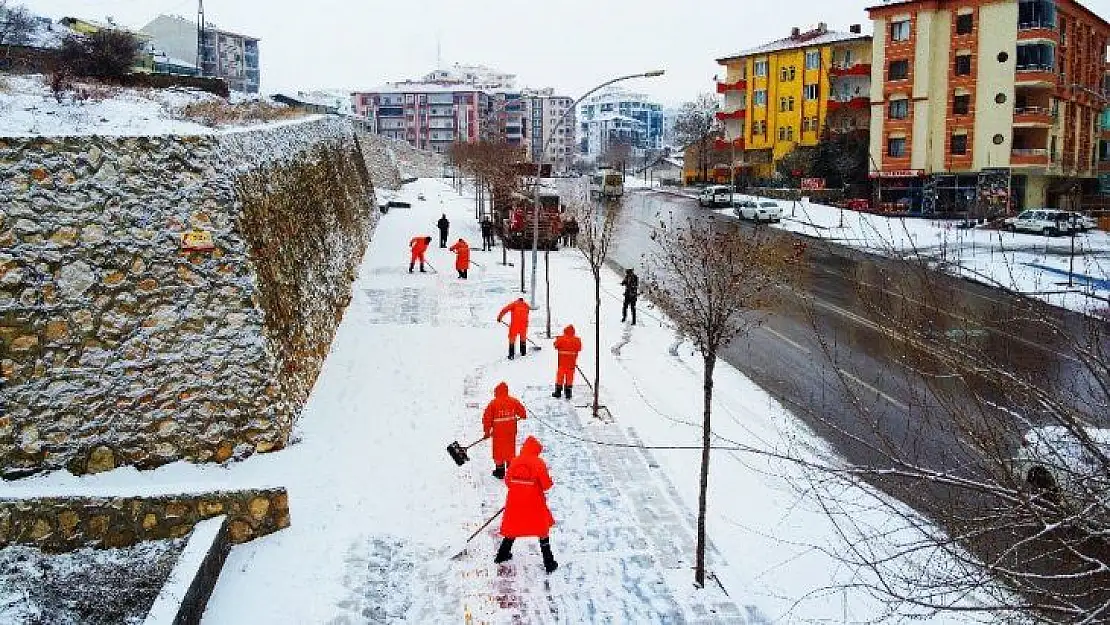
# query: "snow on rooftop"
[805,40]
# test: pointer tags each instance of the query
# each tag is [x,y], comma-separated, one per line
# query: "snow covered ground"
[1035,265]
[377,506]
[29,109]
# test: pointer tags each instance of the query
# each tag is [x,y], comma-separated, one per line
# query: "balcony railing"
[736,114]
[840,103]
[1021,156]
[739,85]
[1033,114]
[858,69]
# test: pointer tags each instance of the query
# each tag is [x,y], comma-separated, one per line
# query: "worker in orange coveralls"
[419,245]
[568,345]
[499,423]
[462,257]
[526,511]
[518,326]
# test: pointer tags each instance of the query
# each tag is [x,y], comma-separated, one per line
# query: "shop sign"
[898,173]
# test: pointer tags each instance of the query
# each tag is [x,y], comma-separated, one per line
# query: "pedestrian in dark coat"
[631,284]
[526,511]
[573,242]
[487,234]
[443,226]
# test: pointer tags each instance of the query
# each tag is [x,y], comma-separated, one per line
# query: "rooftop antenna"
[200,37]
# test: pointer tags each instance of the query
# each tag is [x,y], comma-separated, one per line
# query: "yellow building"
[785,94]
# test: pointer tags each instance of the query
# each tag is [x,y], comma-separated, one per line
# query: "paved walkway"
[623,538]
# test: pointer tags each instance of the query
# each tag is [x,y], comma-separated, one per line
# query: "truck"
[512,219]
[607,184]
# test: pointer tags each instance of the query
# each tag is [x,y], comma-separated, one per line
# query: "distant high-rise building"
[619,116]
[227,55]
[543,110]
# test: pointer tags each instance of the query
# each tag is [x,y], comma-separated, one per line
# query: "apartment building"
[785,94]
[223,54]
[618,115]
[986,103]
[427,116]
[1104,140]
[543,110]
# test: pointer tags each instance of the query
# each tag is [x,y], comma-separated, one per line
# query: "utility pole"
[200,37]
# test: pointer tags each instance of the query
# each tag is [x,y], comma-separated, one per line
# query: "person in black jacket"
[444,226]
[487,233]
[572,232]
[631,284]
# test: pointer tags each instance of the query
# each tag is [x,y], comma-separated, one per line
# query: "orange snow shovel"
[458,452]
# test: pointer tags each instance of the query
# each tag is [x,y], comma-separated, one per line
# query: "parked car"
[1047,221]
[858,204]
[1054,459]
[739,206]
[715,196]
[762,210]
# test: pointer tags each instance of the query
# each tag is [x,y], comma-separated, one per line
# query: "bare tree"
[596,226]
[107,54]
[16,24]
[694,126]
[1006,464]
[715,284]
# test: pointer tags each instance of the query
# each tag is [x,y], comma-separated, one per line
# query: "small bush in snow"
[106,54]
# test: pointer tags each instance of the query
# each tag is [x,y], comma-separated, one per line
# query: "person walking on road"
[419,246]
[462,257]
[487,234]
[526,511]
[444,226]
[518,325]
[499,423]
[631,284]
[568,345]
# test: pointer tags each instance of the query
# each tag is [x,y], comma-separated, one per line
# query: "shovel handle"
[476,442]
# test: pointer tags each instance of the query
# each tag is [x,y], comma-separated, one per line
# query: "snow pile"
[29,108]
[85,586]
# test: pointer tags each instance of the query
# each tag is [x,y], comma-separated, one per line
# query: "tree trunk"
[707,384]
[547,288]
[597,340]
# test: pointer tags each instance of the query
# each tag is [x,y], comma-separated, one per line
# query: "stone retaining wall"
[60,524]
[120,347]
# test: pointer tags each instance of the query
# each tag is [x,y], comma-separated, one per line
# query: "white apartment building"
[543,110]
[225,54]
[618,115]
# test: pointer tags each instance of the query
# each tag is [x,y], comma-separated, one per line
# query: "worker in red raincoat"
[462,257]
[499,423]
[526,511]
[419,245]
[568,345]
[518,326]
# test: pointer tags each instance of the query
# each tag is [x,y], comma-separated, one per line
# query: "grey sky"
[567,44]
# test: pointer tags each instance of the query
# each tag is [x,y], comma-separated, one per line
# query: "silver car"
[761,211]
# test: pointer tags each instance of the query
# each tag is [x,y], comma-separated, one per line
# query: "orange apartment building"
[978,101]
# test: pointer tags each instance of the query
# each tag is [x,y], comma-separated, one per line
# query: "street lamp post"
[539,169]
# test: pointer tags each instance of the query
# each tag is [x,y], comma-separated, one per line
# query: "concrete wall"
[118,346]
[997,25]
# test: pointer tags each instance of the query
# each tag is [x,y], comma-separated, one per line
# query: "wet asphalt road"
[826,351]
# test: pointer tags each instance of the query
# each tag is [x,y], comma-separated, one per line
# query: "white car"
[762,210]
[1054,459]
[1081,222]
[1047,221]
[715,196]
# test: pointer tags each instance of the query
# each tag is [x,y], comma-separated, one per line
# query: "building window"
[965,24]
[963,65]
[813,59]
[898,70]
[786,133]
[759,97]
[896,147]
[811,91]
[847,58]
[760,68]
[900,31]
[899,109]
[786,104]
[1037,57]
[961,104]
[959,144]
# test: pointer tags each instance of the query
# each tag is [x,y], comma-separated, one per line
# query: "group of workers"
[525,474]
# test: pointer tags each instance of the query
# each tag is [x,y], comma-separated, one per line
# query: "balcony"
[723,144]
[859,69]
[1029,158]
[1033,116]
[739,85]
[727,115]
[1035,76]
[840,104]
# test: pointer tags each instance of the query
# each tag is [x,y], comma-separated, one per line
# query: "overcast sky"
[567,44]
